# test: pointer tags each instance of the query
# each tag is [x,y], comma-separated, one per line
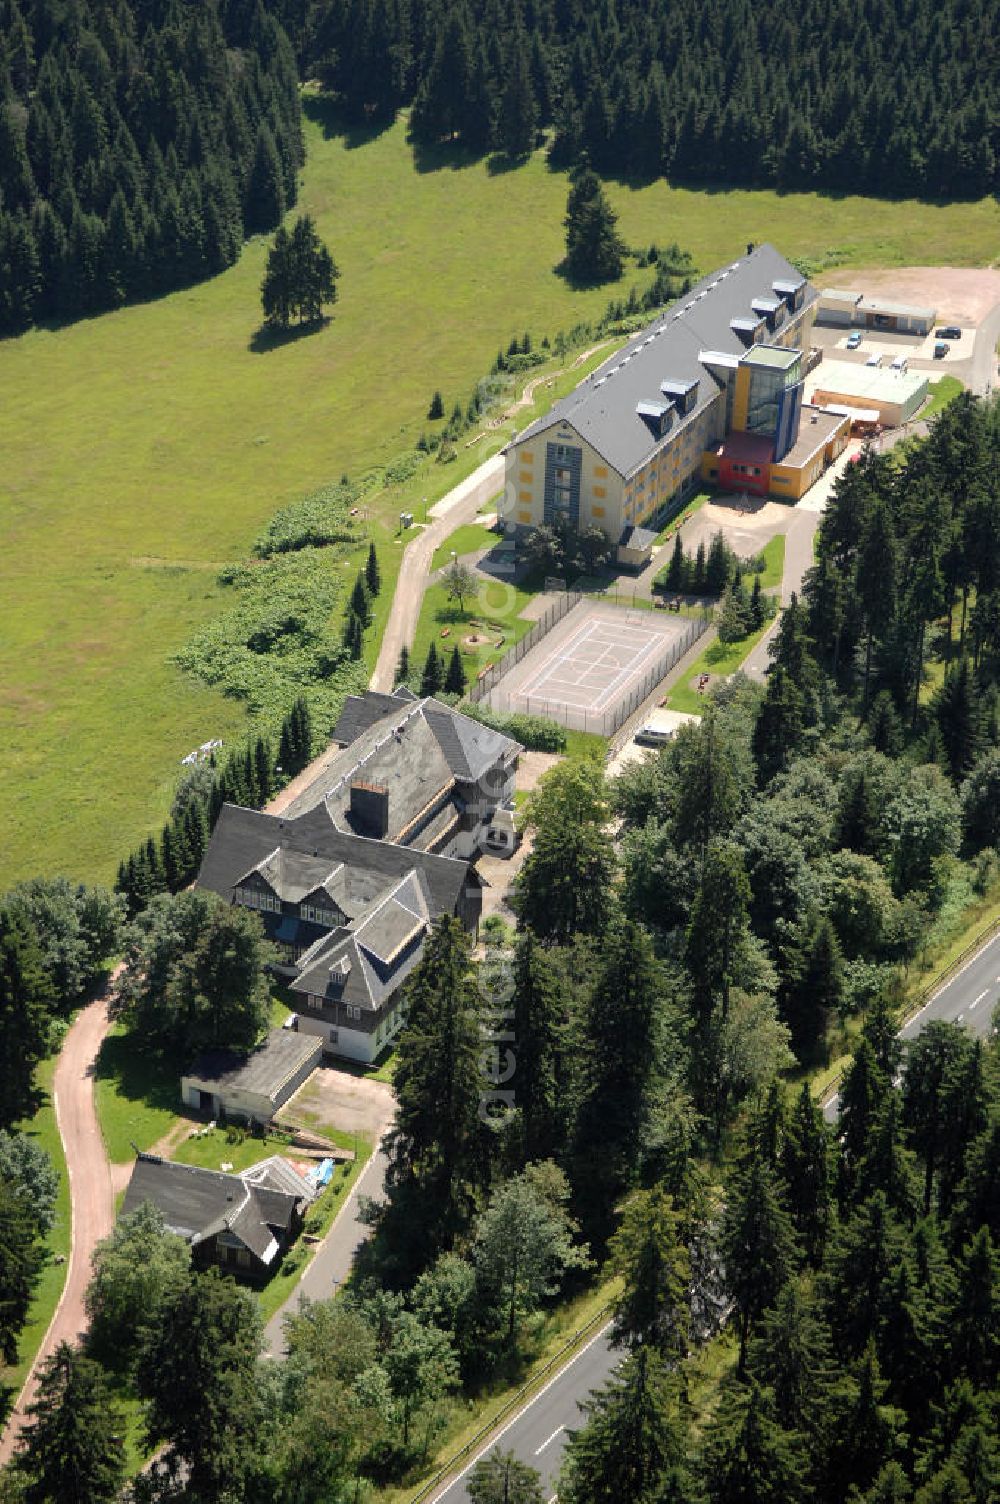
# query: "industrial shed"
[845,308]
[896,396]
[251,1086]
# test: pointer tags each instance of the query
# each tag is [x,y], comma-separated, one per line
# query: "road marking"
[524,1408]
[555,1433]
[978,1000]
[959,1017]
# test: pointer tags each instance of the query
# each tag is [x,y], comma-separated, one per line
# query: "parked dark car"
[949,331]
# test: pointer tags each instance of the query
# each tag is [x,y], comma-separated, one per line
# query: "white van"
[874,360]
[900,364]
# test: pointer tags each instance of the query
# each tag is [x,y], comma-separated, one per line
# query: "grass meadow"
[144,448]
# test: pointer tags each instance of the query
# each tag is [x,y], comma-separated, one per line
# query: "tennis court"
[595,666]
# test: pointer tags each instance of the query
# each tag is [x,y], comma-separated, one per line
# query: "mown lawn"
[464,540]
[144,448]
[720,659]
[941,393]
[774,563]
[137,1096]
[494,614]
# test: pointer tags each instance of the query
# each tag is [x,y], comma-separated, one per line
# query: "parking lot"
[917,348]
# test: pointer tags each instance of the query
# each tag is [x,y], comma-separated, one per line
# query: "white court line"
[555,1433]
[585,634]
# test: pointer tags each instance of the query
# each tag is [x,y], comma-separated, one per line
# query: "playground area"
[595,666]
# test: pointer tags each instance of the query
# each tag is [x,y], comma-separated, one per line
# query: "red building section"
[744,463]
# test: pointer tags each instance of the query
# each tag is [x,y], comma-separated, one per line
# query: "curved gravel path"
[92,1210]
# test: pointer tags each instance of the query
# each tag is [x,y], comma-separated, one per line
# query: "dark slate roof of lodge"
[602,409]
[197,1204]
[418,744]
[364,966]
[262,1071]
[242,838]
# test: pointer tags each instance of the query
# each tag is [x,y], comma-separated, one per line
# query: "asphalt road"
[335,1257]
[968,999]
[537,1434]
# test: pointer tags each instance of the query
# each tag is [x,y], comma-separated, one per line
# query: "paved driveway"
[90,1190]
[340,1099]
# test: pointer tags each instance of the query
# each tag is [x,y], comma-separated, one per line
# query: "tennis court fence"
[560,607]
[601,722]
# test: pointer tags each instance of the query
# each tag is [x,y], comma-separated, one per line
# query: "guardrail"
[931,991]
[509,1406]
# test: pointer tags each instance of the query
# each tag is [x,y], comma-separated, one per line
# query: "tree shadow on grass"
[139,1075]
[265,339]
[323,110]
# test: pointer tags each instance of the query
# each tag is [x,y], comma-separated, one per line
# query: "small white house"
[251,1086]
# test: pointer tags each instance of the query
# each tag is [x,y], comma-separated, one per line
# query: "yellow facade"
[741,399]
[610,499]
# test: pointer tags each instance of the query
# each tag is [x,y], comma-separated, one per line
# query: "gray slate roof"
[242,838]
[198,1204]
[634,536]
[364,966]
[668,350]
[262,1071]
[417,749]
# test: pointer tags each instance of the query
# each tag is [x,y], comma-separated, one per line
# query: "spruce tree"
[403,666]
[264,203]
[758,1246]
[758,614]
[698,574]
[73,1449]
[436,1143]
[541,1012]
[676,569]
[633,1444]
[432,678]
[303,731]
[314,271]
[277,291]
[748,1457]
[806,1171]
[436,409]
[594,250]
[455,678]
[263,765]
[885,726]
[623,1047]
[647,1253]
[518,114]
[361,601]
[22,1256]
[717,566]
[960,719]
